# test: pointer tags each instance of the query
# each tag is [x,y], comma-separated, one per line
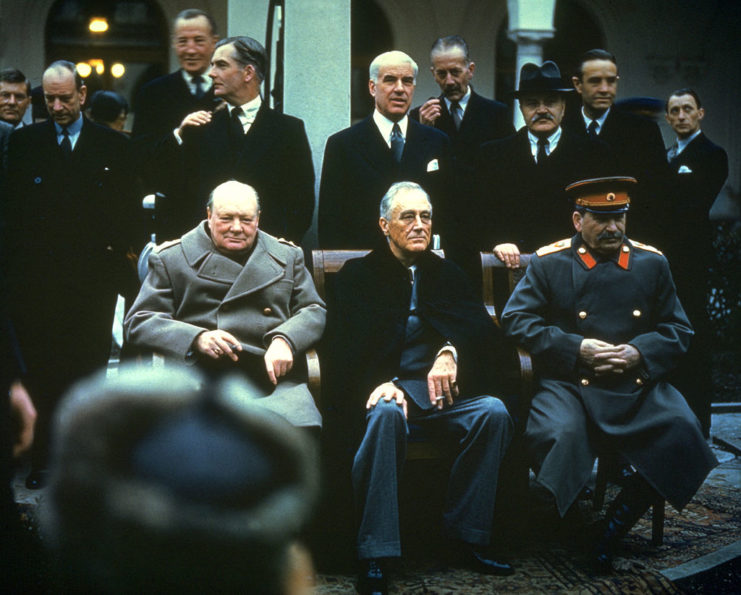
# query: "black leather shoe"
[372,578]
[485,561]
[37,479]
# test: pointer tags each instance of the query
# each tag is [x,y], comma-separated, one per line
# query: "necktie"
[542,155]
[592,129]
[237,130]
[397,142]
[198,82]
[455,111]
[66,143]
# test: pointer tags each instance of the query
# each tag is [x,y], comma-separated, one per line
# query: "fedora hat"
[541,79]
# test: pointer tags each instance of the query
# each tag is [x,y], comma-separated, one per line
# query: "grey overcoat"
[569,294]
[191,288]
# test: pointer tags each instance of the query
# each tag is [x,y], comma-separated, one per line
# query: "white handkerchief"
[684,170]
[433,165]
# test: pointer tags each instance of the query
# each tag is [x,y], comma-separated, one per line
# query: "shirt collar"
[188,78]
[552,141]
[600,121]
[683,142]
[463,101]
[249,109]
[385,126]
[73,129]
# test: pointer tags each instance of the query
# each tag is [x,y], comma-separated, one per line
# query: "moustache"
[537,117]
[609,235]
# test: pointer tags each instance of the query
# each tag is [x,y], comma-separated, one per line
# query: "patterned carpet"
[550,559]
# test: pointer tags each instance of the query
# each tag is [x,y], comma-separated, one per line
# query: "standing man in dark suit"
[163,103]
[527,173]
[69,208]
[465,116]
[699,169]
[246,141]
[635,141]
[361,162]
[409,342]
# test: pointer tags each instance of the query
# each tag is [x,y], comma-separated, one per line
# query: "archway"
[131,34]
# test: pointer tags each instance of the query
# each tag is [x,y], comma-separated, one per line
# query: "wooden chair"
[498,284]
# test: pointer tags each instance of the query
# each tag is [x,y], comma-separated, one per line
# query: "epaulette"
[554,247]
[165,245]
[646,247]
[285,241]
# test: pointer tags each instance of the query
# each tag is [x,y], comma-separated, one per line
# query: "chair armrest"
[314,375]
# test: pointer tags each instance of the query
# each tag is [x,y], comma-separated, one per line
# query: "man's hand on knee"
[387,391]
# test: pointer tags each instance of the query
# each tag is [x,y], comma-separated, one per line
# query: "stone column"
[316,66]
[530,25]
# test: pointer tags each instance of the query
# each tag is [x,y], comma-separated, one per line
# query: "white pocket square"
[684,170]
[433,165]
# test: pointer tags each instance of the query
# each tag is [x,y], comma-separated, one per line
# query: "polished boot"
[485,560]
[623,513]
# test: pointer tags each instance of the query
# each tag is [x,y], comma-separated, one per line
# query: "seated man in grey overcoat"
[601,317]
[228,297]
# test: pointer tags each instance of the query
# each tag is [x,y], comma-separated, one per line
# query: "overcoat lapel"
[262,269]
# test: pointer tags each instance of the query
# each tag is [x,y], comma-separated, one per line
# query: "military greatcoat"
[191,288]
[569,294]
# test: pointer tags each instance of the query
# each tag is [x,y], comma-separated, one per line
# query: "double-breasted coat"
[569,294]
[191,288]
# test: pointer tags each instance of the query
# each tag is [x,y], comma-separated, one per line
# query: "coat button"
[639,382]
[582,314]
[636,313]
[585,381]
[267,311]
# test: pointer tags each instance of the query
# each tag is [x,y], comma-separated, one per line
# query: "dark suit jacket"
[638,150]
[524,203]
[160,106]
[367,311]
[704,168]
[484,120]
[69,224]
[274,157]
[358,169]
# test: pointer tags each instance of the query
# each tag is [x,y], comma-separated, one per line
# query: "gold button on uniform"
[626,249]
[267,311]
[585,381]
[582,250]
[639,382]
[636,313]
[582,314]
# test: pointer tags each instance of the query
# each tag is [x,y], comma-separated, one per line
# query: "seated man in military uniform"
[600,315]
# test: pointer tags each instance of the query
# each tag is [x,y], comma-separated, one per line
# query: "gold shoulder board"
[554,247]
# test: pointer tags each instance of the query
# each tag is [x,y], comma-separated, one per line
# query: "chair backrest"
[498,282]
[327,262]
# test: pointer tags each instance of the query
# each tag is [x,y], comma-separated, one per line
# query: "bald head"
[233,213]
[64,92]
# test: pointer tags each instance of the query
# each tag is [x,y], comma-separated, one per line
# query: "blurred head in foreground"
[160,483]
